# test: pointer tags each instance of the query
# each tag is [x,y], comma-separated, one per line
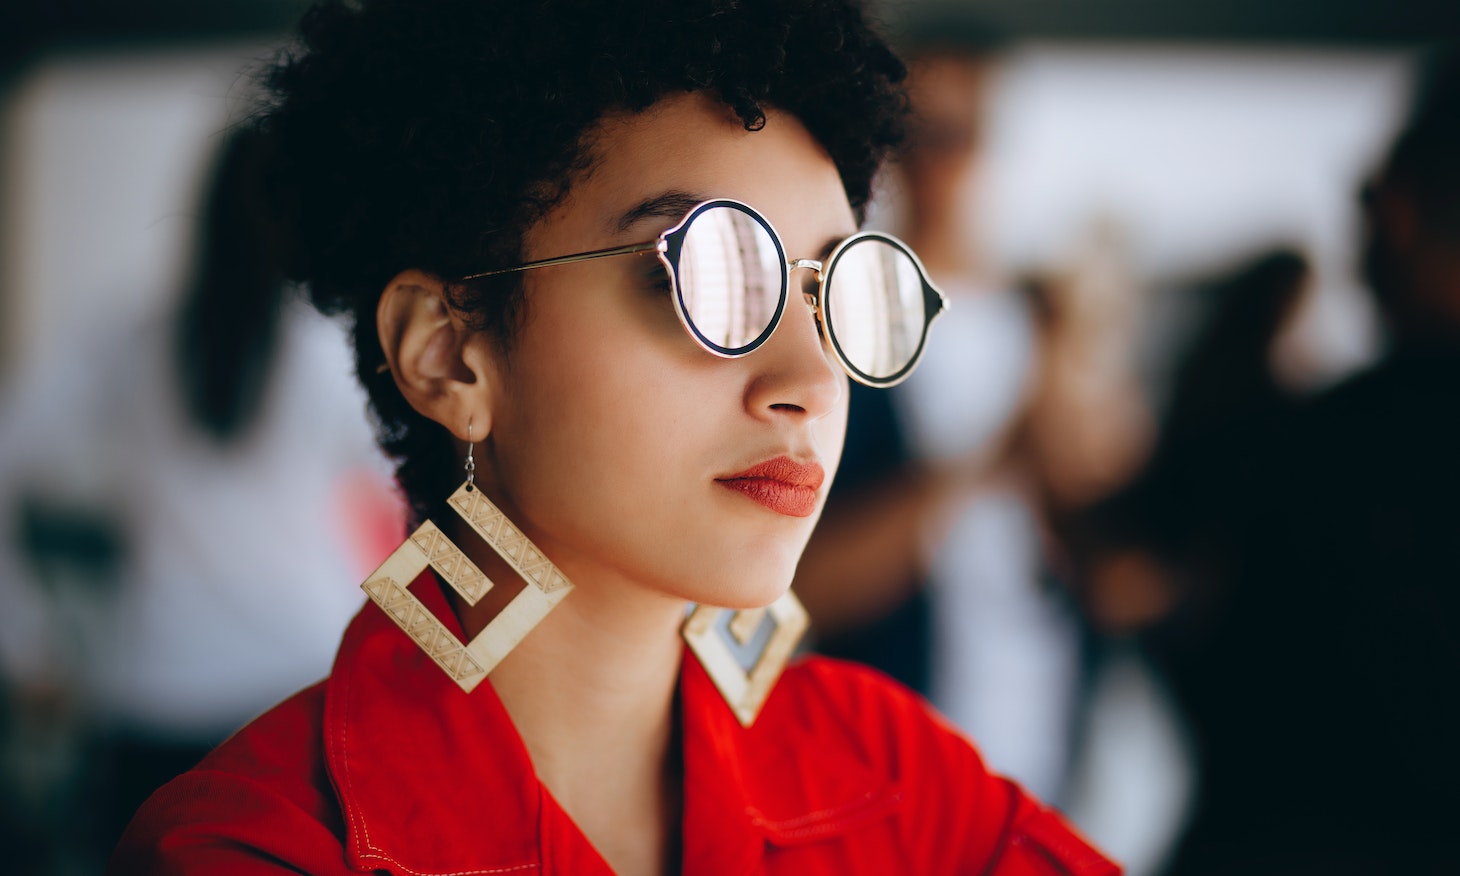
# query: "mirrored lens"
[874,307]
[731,276]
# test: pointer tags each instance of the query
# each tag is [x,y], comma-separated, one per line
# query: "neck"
[592,692]
[594,683]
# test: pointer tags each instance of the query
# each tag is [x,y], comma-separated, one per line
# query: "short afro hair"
[432,134]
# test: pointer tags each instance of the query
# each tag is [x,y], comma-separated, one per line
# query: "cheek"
[607,447]
[831,433]
[589,409]
[600,428]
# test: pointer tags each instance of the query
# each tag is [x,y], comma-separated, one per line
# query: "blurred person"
[1081,435]
[1374,519]
[1181,517]
[1313,639]
[1228,376]
[613,389]
[1151,564]
[164,572]
[1087,424]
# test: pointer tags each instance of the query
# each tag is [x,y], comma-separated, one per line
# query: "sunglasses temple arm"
[631,249]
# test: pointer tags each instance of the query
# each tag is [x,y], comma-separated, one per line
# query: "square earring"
[745,651]
[467,662]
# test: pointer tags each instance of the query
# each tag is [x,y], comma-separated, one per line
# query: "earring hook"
[471,463]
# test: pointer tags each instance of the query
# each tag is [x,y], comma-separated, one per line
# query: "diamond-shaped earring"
[467,662]
[745,651]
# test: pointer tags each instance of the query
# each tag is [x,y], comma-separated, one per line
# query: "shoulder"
[260,803]
[883,727]
[953,812]
[284,745]
[856,700]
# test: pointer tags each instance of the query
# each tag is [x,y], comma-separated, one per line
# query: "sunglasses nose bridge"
[812,265]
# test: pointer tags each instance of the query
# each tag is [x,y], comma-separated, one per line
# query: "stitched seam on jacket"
[803,826]
[404,868]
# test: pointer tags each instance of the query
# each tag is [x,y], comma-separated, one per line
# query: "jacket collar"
[435,781]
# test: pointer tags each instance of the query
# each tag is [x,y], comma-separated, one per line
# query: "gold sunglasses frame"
[671,242]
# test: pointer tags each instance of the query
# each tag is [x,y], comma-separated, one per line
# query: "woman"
[552,223]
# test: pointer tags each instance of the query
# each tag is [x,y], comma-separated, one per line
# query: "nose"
[795,374]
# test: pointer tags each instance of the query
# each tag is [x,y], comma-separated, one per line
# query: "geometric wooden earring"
[467,662]
[745,651]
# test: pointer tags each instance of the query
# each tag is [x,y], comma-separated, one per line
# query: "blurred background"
[1165,521]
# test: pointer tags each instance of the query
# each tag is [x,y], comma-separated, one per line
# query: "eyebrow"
[672,204]
[830,245]
[675,203]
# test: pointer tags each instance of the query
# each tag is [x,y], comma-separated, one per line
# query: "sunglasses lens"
[874,307]
[731,278]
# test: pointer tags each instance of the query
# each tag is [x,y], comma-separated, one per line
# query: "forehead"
[693,147]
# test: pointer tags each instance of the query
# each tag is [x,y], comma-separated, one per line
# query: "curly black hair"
[431,134]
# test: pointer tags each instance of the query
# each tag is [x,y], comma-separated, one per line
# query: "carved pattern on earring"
[467,662]
[745,687]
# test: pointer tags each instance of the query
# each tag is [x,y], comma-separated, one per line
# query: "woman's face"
[613,435]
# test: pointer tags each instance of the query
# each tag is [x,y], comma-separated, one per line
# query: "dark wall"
[27,24]
[1326,21]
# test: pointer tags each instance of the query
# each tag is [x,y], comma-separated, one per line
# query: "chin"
[747,599]
[745,569]
[754,586]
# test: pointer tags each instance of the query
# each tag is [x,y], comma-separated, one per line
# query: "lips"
[783,485]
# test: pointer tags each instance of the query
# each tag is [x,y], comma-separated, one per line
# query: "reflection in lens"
[874,307]
[730,272]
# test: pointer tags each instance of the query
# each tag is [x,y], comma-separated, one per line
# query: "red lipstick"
[782,484]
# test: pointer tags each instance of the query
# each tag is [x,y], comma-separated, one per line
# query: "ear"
[429,349]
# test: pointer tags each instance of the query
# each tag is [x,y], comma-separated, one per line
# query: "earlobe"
[425,344]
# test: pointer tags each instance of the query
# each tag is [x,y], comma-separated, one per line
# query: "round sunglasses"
[730,281]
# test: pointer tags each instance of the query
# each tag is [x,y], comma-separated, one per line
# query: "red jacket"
[388,766]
